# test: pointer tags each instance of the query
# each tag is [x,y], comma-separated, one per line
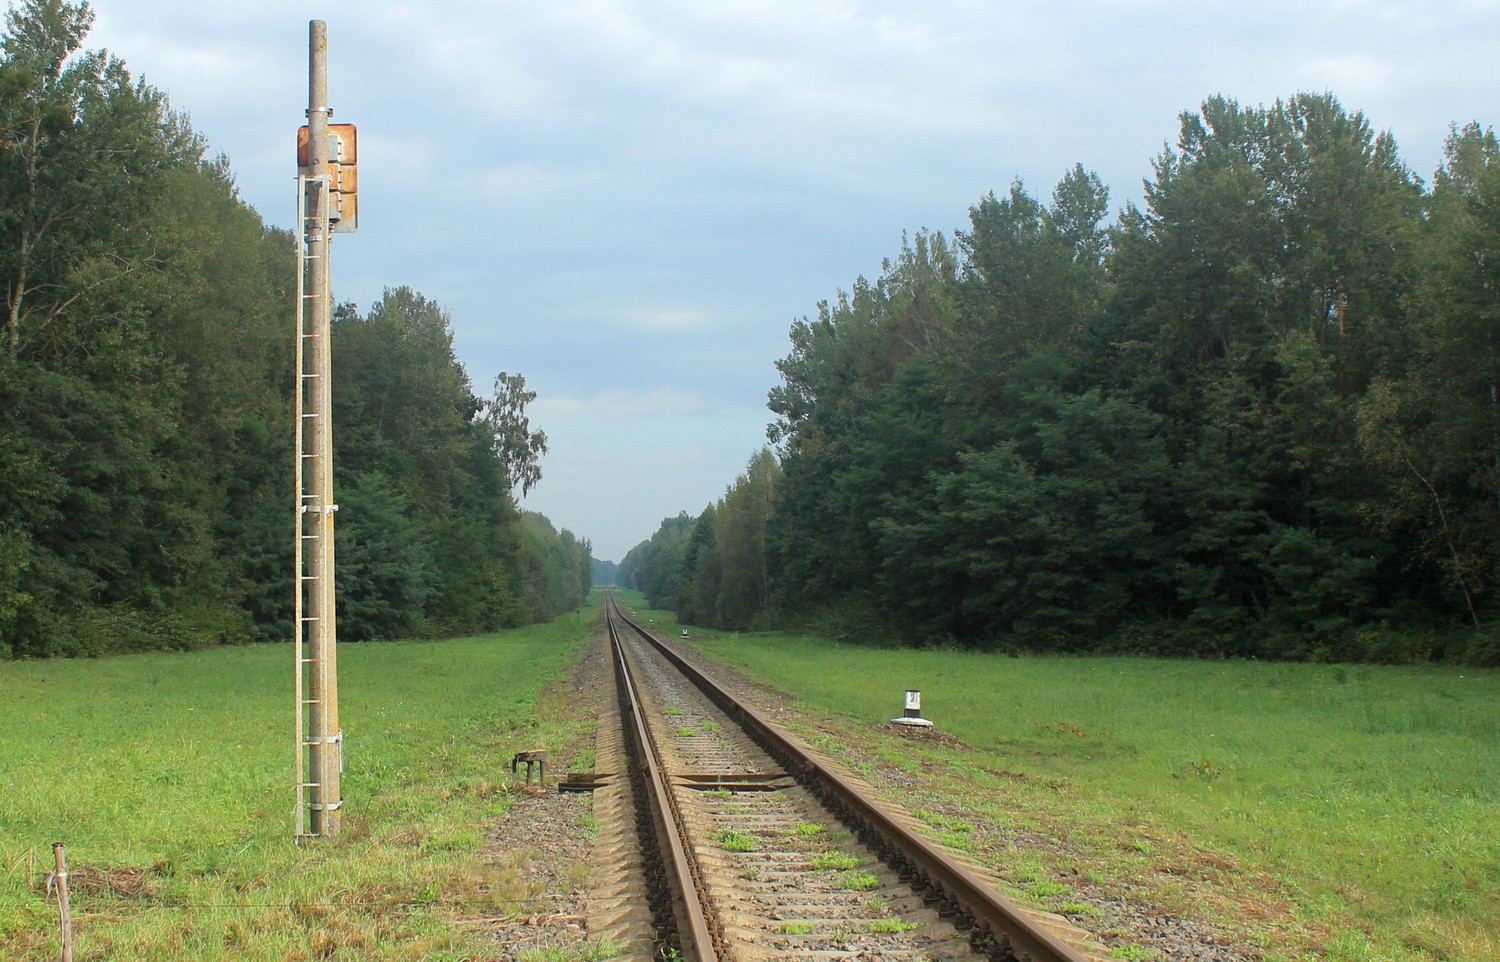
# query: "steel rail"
[671,830]
[961,889]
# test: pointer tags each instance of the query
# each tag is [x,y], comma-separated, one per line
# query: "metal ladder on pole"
[309,502]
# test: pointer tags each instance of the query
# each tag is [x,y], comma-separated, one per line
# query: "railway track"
[756,848]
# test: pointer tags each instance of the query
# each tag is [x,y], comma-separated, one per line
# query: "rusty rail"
[693,924]
[952,883]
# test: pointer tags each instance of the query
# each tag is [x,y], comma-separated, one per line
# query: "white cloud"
[668,320]
[629,202]
[621,405]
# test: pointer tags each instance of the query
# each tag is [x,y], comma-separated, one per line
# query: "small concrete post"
[913,711]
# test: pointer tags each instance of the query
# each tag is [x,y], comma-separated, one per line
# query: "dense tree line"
[655,565]
[1257,415]
[604,572]
[712,569]
[145,399]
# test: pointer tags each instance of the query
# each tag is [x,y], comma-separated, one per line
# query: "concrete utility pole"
[319,739]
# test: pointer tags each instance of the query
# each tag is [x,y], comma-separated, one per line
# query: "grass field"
[170,775]
[1342,813]
[1352,809]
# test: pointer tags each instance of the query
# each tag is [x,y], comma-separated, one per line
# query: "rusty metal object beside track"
[947,881]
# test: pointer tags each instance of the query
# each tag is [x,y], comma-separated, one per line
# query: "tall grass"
[1372,793]
[170,776]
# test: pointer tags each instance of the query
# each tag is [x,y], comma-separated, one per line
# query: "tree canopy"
[1256,415]
[145,399]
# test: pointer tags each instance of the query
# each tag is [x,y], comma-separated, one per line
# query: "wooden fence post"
[60,879]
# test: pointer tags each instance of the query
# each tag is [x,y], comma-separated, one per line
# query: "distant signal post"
[326,203]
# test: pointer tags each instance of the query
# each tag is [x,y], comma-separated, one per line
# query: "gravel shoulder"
[1189,905]
[543,846]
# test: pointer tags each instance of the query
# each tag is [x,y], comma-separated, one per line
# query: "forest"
[146,400]
[1256,414]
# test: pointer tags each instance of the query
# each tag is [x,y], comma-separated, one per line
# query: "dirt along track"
[782,877]
[780,874]
[756,844]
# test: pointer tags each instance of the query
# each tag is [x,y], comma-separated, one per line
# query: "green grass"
[734,840]
[177,770]
[1042,891]
[955,826]
[833,861]
[593,950]
[857,880]
[891,926]
[1327,802]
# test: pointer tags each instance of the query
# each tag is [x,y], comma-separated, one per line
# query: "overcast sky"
[630,202]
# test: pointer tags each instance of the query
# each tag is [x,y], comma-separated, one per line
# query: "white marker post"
[913,713]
